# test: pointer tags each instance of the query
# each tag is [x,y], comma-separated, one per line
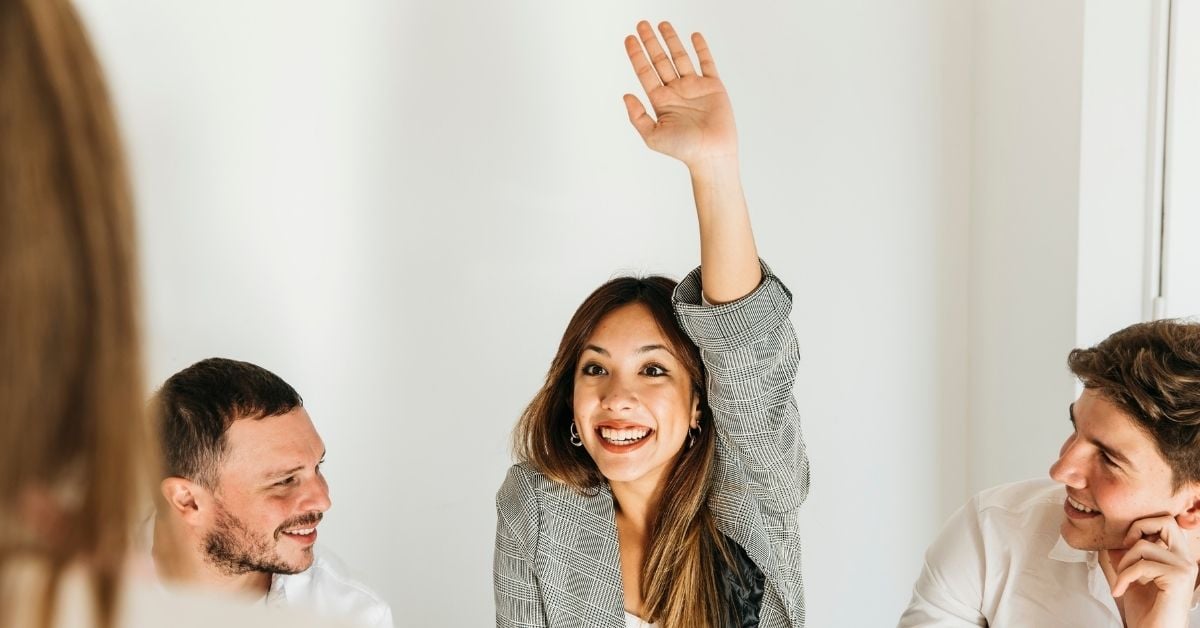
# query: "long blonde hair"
[70,363]
[679,575]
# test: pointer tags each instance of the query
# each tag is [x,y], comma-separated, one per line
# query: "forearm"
[728,256]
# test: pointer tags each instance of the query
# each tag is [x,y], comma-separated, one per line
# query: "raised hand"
[694,123]
[1156,576]
[693,120]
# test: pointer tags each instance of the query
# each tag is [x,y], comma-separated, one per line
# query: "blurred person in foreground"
[76,461]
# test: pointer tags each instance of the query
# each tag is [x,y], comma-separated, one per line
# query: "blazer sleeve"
[518,596]
[750,352]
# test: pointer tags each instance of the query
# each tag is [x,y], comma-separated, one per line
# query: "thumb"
[638,116]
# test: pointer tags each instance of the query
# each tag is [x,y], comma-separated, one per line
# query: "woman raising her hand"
[661,467]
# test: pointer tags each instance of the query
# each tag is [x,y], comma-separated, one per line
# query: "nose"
[1069,468]
[317,498]
[618,395]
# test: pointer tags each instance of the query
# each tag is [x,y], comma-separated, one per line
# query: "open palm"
[693,120]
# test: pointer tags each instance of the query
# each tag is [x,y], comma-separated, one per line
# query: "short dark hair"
[196,406]
[1152,372]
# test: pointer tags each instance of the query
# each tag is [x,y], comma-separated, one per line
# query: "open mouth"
[302,529]
[1076,509]
[623,439]
[304,536]
[626,436]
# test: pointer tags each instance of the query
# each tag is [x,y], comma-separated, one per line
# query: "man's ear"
[1190,518]
[185,498]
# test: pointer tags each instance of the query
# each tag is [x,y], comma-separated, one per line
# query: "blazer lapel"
[580,546]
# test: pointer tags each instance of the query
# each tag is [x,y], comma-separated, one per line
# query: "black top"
[741,587]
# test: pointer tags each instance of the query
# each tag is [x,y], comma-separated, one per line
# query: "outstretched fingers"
[641,66]
[707,66]
[658,56]
[683,63]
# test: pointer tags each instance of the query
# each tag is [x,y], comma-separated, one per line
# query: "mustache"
[302,521]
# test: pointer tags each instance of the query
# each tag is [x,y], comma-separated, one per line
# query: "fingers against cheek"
[1141,572]
[1146,550]
[1150,525]
[1148,562]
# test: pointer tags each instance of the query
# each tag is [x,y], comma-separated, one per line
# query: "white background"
[396,206]
[1181,286]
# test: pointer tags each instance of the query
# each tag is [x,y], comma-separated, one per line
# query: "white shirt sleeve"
[383,618]
[949,592]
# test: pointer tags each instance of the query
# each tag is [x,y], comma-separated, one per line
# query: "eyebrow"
[282,472]
[645,349]
[1111,451]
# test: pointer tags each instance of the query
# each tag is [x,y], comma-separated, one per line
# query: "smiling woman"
[661,467]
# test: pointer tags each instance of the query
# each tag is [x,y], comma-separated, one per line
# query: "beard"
[236,549]
[1092,538]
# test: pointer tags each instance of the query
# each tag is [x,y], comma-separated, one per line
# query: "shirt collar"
[290,586]
[1064,553]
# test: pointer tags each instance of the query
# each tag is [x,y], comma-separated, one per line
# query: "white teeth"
[300,532]
[624,436]
[1078,506]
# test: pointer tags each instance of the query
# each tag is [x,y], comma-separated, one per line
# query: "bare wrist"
[715,169]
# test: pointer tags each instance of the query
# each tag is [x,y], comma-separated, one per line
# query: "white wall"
[1181,288]
[1119,145]
[1062,230]
[1023,249]
[396,206]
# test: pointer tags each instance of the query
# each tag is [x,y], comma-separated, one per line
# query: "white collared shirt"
[327,590]
[1000,561]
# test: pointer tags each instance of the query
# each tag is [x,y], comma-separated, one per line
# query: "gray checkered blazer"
[556,561]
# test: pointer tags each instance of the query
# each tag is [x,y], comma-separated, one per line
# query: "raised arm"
[693,122]
[745,338]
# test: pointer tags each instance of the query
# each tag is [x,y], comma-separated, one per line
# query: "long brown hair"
[70,363]
[679,575]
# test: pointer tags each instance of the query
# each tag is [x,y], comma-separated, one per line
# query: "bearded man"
[243,494]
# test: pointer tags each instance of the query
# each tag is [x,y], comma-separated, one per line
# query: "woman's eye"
[654,370]
[593,369]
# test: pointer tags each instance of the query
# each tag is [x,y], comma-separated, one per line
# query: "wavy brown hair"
[70,362]
[1152,372]
[679,575]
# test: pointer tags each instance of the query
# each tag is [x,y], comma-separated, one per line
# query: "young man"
[244,495]
[1113,539]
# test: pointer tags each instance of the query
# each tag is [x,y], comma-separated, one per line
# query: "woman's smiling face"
[633,399]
